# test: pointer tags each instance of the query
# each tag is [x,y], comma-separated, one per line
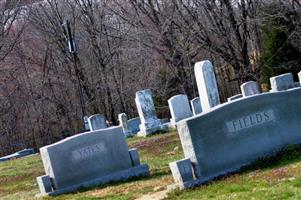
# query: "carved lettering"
[251,120]
[87,152]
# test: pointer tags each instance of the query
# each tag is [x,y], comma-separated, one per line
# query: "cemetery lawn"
[278,177]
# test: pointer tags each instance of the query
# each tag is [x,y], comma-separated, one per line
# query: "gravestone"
[299,75]
[250,88]
[123,122]
[147,113]
[235,134]
[18,154]
[196,105]
[238,96]
[88,159]
[134,124]
[282,82]
[179,108]
[86,122]
[207,86]
[97,122]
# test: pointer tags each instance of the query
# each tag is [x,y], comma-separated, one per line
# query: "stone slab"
[182,172]
[196,105]
[233,135]
[134,125]
[282,82]
[147,113]
[97,122]
[207,85]
[138,171]
[123,122]
[86,157]
[250,88]
[238,96]
[299,75]
[179,108]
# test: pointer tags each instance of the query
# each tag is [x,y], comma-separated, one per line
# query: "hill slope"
[278,177]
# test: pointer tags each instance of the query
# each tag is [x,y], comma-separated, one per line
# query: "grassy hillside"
[278,177]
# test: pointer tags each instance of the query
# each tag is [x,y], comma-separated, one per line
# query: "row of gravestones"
[219,139]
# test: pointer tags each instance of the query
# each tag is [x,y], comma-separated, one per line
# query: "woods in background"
[125,46]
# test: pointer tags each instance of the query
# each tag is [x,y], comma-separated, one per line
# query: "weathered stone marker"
[134,124]
[88,159]
[299,75]
[123,122]
[179,108]
[147,113]
[97,122]
[282,82]
[207,86]
[238,96]
[235,134]
[196,105]
[250,88]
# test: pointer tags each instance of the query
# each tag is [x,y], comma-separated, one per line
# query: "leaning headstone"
[88,159]
[207,86]
[134,124]
[238,96]
[179,108]
[97,122]
[282,82]
[123,122]
[235,134]
[299,75]
[196,106]
[147,113]
[250,88]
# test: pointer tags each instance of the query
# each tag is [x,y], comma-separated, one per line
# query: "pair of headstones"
[208,94]
[129,127]
[180,109]
[278,83]
[232,135]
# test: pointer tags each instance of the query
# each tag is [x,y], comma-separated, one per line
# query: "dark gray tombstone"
[235,134]
[88,159]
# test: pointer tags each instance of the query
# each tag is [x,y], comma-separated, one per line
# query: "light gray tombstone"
[196,105]
[238,96]
[250,88]
[86,121]
[207,86]
[179,108]
[235,134]
[282,82]
[88,159]
[147,113]
[299,75]
[134,124]
[123,122]
[97,122]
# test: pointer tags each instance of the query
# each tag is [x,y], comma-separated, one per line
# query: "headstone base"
[138,171]
[144,131]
